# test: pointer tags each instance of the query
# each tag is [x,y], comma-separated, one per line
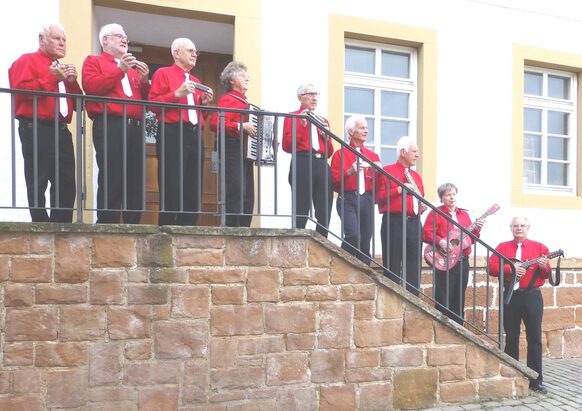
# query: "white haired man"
[395,239]
[313,175]
[117,73]
[175,84]
[353,180]
[527,303]
[42,71]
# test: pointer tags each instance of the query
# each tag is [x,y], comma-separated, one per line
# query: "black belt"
[185,124]
[29,123]
[524,290]
[129,121]
[314,154]
[355,193]
[408,217]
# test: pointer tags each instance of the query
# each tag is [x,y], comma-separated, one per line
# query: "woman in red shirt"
[450,284]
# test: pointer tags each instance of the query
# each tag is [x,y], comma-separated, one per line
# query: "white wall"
[474,86]
[21,24]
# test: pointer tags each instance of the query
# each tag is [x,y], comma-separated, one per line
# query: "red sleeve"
[232,120]
[24,74]
[494,261]
[336,172]
[287,142]
[97,80]
[161,91]
[428,233]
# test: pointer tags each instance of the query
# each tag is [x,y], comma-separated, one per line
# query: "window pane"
[371,130]
[557,122]
[395,64]
[387,155]
[394,104]
[392,131]
[359,100]
[557,148]
[360,60]
[532,119]
[532,146]
[558,174]
[533,83]
[559,87]
[531,172]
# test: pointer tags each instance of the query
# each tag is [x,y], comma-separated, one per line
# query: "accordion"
[260,149]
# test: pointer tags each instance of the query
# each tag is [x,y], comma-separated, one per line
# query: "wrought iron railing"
[276,204]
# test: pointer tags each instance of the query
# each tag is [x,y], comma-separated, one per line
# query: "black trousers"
[59,171]
[358,230]
[528,306]
[315,187]
[113,166]
[180,185]
[450,293]
[240,185]
[393,243]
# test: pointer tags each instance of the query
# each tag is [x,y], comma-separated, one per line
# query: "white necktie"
[518,257]
[314,138]
[63,107]
[125,82]
[192,115]
[411,181]
[361,176]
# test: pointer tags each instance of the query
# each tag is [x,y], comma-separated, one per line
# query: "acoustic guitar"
[528,263]
[444,260]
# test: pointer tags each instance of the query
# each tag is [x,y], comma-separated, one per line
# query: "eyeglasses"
[310,94]
[119,36]
[520,226]
[192,51]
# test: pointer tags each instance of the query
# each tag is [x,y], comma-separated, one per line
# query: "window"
[380,83]
[549,120]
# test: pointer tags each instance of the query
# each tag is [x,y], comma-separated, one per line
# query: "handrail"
[340,144]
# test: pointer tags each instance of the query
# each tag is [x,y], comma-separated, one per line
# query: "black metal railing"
[276,199]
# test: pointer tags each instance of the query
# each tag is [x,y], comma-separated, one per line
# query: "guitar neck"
[482,217]
[549,256]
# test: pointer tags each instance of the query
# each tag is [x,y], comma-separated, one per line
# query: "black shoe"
[538,387]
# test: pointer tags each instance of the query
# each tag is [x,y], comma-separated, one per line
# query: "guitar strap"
[556,282]
[553,282]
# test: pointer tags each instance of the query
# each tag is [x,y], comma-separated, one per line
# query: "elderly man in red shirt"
[395,218]
[42,71]
[527,303]
[117,73]
[180,188]
[313,175]
[353,180]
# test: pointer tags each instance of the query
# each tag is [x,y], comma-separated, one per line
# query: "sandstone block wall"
[212,319]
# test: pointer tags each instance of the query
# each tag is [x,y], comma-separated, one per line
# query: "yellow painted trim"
[425,41]
[537,57]
[78,19]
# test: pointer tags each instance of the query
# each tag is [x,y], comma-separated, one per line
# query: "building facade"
[489,89]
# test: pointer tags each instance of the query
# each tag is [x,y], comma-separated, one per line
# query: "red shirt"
[397,171]
[529,251]
[443,226]
[165,82]
[102,77]
[31,72]
[302,136]
[232,120]
[349,158]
